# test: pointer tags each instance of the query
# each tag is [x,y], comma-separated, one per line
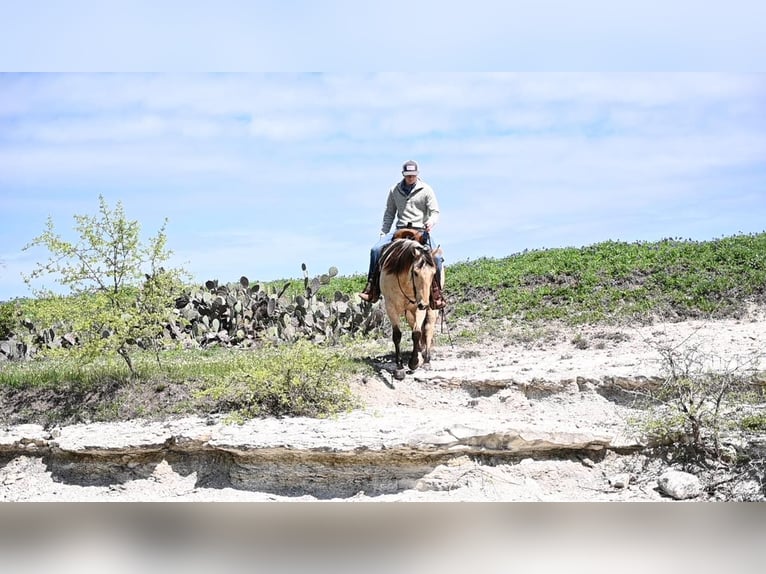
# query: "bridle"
[420,305]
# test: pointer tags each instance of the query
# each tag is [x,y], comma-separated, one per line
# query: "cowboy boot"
[371,291]
[437,300]
[366,295]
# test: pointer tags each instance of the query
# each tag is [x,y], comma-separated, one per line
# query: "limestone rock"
[679,485]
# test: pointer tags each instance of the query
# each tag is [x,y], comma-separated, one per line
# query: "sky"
[265,164]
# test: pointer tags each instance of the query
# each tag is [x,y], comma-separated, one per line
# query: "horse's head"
[414,266]
[423,272]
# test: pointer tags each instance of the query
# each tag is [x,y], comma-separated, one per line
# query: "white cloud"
[308,158]
[289,127]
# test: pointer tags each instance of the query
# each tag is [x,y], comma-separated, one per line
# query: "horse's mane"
[399,255]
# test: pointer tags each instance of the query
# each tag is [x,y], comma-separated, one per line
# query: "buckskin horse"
[407,269]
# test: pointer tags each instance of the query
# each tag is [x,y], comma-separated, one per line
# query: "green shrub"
[694,405]
[8,319]
[299,379]
[124,291]
[756,422]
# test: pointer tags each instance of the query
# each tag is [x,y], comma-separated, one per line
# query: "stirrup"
[438,304]
[437,297]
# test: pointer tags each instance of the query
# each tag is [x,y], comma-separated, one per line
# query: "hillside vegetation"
[610,281]
[668,279]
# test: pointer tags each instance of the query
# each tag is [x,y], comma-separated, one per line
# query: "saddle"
[419,235]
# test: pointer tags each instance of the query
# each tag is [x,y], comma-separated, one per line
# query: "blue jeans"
[378,248]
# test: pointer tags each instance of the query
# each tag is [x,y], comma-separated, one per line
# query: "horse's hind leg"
[425,350]
[427,337]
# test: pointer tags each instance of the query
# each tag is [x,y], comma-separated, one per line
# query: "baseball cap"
[410,168]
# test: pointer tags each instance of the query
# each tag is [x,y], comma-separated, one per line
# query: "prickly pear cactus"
[235,314]
[243,313]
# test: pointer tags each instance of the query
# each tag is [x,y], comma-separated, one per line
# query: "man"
[413,203]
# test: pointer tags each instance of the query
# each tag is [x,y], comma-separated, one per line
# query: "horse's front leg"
[415,356]
[397,338]
[415,320]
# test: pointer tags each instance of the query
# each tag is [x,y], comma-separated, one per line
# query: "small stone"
[621,480]
[588,462]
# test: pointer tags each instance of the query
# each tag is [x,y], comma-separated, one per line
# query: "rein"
[414,291]
[412,281]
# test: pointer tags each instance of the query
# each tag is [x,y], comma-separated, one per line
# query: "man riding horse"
[413,203]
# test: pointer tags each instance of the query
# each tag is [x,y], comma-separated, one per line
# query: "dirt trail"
[529,416]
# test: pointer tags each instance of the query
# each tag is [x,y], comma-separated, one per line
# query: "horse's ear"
[437,252]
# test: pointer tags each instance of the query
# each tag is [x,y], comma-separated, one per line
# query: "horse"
[407,269]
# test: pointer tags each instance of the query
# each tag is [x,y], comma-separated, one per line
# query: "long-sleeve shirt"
[417,208]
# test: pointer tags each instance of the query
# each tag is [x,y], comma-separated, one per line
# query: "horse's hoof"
[399,374]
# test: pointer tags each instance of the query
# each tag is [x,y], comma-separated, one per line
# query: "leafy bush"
[124,292]
[694,404]
[300,379]
[756,422]
[8,319]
